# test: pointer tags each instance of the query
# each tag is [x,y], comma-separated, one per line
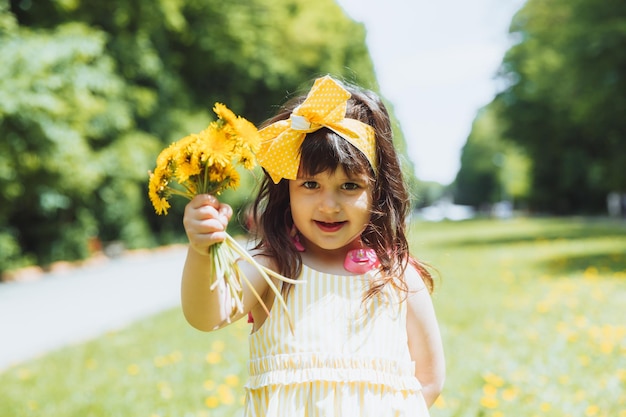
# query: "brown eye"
[350,186]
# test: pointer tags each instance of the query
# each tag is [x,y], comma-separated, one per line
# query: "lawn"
[532,313]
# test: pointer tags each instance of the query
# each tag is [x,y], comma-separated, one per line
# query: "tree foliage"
[63,116]
[91,91]
[492,168]
[559,123]
[566,100]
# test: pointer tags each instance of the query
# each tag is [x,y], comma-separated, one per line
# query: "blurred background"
[91,91]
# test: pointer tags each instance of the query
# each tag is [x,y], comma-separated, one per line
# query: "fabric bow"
[324,106]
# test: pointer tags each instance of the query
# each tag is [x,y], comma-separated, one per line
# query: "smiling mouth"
[329,227]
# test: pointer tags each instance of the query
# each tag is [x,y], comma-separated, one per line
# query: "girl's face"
[330,209]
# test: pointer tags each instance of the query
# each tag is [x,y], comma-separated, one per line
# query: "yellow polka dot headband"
[324,106]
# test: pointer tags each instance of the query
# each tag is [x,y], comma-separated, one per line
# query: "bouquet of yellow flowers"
[204,163]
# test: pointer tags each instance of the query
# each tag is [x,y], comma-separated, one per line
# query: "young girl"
[331,211]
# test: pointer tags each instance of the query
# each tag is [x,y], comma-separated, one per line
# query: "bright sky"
[435,62]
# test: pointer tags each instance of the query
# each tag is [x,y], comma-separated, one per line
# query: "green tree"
[195,52]
[492,168]
[566,98]
[477,183]
[61,100]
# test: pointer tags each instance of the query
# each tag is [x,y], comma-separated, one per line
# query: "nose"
[329,203]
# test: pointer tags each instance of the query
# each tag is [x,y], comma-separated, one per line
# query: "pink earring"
[295,238]
[360,261]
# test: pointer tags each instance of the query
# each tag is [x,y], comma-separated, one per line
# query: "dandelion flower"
[218,346]
[231,380]
[489,402]
[225,393]
[225,113]
[213,358]
[215,147]
[212,401]
[133,369]
[157,191]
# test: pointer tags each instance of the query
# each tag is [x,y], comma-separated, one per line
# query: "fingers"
[205,221]
[206,206]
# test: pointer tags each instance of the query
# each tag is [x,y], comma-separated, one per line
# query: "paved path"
[80,304]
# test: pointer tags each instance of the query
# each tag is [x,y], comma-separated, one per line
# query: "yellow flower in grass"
[231,380]
[213,358]
[133,369]
[490,390]
[493,379]
[225,394]
[218,346]
[160,361]
[489,402]
[212,401]
[509,394]
[591,273]
[175,356]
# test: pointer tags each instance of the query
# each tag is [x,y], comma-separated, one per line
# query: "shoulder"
[418,299]
[260,258]
[413,280]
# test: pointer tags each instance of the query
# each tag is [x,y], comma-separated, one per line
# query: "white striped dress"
[345,358]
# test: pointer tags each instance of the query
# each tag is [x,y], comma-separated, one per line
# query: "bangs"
[324,150]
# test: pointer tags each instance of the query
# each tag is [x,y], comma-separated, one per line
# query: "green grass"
[157,367]
[532,312]
[533,316]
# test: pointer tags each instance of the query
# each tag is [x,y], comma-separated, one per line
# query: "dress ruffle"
[297,368]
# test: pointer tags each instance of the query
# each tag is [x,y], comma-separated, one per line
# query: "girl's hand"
[205,222]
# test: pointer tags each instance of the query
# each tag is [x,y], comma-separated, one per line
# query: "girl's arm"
[205,221]
[424,339]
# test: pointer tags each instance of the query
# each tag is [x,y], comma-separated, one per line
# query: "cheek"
[364,202]
[363,206]
[296,208]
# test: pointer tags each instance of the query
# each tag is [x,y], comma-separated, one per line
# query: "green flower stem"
[256,294]
[222,262]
